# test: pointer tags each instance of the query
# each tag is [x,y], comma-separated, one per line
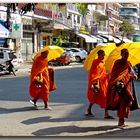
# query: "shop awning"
[112,38]
[104,39]
[124,39]
[99,40]
[4,33]
[127,40]
[60,26]
[87,38]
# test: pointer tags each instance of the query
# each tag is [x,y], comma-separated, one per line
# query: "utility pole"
[7,23]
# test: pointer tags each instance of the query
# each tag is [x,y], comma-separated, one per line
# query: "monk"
[97,85]
[120,97]
[41,80]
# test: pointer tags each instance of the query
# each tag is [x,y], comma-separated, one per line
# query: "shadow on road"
[12,110]
[70,129]
[126,132]
[59,120]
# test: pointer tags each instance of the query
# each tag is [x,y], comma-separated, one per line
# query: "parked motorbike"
[8,68]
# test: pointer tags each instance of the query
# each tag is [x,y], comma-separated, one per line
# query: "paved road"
[19,118]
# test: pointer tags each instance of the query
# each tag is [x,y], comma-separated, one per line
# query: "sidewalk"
[27,65]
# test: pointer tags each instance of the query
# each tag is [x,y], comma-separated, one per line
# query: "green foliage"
[126,27]
[82,8]
[59,40]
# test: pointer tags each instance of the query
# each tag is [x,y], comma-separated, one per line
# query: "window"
[44,41]
[78,19]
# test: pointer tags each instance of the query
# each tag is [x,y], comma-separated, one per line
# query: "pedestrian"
[119,95]
[97,85]
[41,80]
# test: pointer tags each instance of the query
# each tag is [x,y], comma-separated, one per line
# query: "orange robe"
[121,103]
[40,66]
[98,72]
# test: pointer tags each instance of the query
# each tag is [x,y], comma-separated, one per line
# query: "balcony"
[43,12]
[133,6]
[134,14]
[116,18]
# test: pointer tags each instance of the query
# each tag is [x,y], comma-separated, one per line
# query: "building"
[130,11]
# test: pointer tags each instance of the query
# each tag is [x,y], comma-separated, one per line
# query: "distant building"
[130,11]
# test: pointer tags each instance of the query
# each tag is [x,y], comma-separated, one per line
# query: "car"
[80,54]
[70,54]
[7,54]
[70,44]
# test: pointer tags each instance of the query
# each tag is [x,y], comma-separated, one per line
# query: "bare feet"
[48,108]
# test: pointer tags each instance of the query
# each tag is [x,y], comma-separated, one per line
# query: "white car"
[70,54]
[80,54]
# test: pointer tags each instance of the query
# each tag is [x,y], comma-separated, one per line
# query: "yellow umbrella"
[134,54]
[54,52]
[108,47]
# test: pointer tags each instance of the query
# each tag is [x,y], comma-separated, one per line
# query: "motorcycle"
[8,68]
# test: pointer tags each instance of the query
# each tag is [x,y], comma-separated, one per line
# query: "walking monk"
[97,85]
[120,97]
[41,80]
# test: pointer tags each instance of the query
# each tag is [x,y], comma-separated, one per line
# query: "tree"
[59,40]
[83,10]
[127,28]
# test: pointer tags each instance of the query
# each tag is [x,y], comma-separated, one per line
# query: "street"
[19,118]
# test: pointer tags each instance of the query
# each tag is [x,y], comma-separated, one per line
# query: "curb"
[27,68]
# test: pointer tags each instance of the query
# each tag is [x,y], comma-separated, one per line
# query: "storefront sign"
[17,31]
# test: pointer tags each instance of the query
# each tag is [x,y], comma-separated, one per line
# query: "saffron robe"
[98,72]
[120,102]
[40,70]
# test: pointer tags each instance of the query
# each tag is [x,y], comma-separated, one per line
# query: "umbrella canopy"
[108,47]
[134,54]
[54,52]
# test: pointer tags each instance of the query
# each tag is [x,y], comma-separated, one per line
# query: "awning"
[112,38]
[99,40]
[60,26]
[87,38]
[104,39]
[127,40]
[4,33]
[124,39]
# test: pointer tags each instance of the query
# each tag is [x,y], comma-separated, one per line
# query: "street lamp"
[7,23]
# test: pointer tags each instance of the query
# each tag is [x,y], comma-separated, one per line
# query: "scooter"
[7,69]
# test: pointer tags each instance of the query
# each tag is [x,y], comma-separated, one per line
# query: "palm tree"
[83,10]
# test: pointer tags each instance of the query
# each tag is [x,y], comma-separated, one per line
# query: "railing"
[130,13]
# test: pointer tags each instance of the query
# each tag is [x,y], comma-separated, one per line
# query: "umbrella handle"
[133,73]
